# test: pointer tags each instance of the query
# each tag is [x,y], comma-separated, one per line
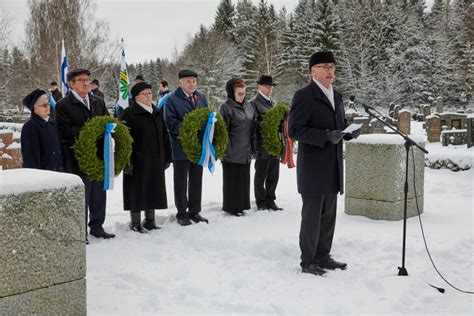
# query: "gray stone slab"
[382,210]
[62,299]
[42,233]
[375,176]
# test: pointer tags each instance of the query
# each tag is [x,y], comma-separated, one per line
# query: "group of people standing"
[316,120]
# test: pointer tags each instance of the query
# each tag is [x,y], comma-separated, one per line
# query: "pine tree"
[224,20]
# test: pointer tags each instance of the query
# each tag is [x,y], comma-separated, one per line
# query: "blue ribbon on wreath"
[208,154]
[109,156]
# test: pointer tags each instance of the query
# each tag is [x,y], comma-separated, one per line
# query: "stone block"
[42,222]
[375,177]
[62,299]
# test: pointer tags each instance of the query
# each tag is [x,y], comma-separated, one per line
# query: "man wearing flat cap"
[316,121]
[187,175]
[40,146]
[267,167]
[72,112]
[144,185]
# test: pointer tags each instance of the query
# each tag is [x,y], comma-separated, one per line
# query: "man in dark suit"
[187,175]
[267,168]
[316,121]
[72,112]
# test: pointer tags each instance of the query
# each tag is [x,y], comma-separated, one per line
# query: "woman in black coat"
[40,146]
[144,187]
[239,117]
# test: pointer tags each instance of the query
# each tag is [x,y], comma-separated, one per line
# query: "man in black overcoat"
[267,167]
[72,112]
[316,121]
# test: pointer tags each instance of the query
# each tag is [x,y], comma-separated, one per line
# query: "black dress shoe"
[274,207]
[237,214]
[184,221]
[137,227]
[102,234]
[313,269]
[196,217]
[332,264]
[150,224]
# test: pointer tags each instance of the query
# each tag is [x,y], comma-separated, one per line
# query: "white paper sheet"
[351,128]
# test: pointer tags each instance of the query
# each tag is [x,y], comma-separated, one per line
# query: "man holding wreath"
[187,175]
[72,112]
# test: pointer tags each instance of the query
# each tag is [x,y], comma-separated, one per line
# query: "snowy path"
[250,265]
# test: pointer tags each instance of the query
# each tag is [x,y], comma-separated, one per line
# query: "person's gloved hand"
[334,136]
[128,170]
[355,134]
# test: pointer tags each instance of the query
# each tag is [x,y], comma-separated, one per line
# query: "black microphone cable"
[441,290]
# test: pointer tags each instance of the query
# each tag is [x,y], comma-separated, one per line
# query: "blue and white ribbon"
[208,155]
[52,102]
[109,156]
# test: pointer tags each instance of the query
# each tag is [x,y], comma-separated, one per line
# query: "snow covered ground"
[250,264]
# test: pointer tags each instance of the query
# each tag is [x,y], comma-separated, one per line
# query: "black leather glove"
[128,170]
[334,136]
[167,165]
[355,134]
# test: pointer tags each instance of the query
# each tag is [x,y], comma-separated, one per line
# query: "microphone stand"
[408,143]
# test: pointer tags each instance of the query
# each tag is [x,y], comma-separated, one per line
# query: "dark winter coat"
[261,106]
[40,146]
[176,107]
[319,163]
[145,188]
[240,121]
[98,93]
[57,95]
[71,115]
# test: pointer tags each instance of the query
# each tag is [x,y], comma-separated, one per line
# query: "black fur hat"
[321,58]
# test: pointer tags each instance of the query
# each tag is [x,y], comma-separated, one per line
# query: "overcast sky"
[150,28]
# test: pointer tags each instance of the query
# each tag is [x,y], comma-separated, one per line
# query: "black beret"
[139,87]
[76,72]
[53,83]
[96,82]
[139,77]
[321,58]
[187,73]
[30,100]
[266,80]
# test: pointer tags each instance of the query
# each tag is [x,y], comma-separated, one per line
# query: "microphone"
[359,101]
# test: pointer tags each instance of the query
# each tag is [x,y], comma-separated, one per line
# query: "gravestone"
[376,127]
[439,104]
[365,124]
[375,177]
[454,137]
[433,128]
[404,121]
[426,110]
[396,111]
[470,130]
[42,248]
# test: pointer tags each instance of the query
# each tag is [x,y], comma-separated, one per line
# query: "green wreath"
[194,123]
[271,132]
[85,147]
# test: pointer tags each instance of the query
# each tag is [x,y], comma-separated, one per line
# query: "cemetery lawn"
[250,264]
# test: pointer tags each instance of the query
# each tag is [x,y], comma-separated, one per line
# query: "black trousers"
[318,219]
[267,172]
[236,187]
[96,199]
[187,187]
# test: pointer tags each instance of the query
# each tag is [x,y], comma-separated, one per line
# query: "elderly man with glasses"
[72,112]
[316,121]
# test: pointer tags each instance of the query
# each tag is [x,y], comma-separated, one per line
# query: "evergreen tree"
[224,20]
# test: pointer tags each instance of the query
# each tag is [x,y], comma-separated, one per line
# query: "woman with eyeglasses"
[40,146]
[239,117]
